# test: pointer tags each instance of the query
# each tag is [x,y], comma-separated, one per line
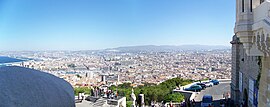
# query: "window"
[261,1]
[250,5]
[243,5]
[240,81]
[251,90]
[262,38]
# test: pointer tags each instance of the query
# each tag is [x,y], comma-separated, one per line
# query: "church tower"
[251,54]
[244,21]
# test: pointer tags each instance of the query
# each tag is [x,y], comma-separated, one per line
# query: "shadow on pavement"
[219,103]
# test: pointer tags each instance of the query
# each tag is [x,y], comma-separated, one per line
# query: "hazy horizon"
[127,46]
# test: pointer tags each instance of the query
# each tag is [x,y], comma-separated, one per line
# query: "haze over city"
[100,24]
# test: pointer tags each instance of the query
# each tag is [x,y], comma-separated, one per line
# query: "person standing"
[193,103]
[171,105]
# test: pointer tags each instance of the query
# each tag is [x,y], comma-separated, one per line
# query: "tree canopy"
[85,90]
[152,92]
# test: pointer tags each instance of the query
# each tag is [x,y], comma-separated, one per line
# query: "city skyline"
[89,25]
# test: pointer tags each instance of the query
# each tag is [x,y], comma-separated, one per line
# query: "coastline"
[7,61]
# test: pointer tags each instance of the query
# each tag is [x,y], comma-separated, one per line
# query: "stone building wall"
[264,93]
[235,69]
[248,66]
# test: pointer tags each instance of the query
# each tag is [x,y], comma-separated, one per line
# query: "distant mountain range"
[169,48]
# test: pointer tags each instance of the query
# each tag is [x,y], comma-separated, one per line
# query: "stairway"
[100,102]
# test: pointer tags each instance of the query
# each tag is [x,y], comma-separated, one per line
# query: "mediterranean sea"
[4,59]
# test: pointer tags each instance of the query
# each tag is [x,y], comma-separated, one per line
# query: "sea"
[4,60]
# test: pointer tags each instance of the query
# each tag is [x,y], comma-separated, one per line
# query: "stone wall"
[264,88]
[247,65]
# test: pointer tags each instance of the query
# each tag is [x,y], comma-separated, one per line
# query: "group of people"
[97,92]
[110,94]
[189,103]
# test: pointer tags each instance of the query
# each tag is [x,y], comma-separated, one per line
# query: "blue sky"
[99,24]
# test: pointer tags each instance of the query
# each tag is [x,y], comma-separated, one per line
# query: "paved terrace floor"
[216,91]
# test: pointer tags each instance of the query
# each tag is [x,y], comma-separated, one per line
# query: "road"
[216,91]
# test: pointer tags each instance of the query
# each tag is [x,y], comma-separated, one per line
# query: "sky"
[100,24]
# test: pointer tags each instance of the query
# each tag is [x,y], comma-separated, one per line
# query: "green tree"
[85,90]
[152,92]
[73,66]
[125,85]
[175,97]
[129,103]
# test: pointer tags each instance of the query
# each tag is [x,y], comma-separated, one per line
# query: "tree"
[152,92]
[125,85]
[85,90]
[72,66]
[78,76]
[129,103]
[175,97]
[113,87]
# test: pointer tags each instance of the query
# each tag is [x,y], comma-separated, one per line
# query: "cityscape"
[134,53]
[131,67]
[113,67]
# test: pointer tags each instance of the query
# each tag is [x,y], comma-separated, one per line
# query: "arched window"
[258,37]
[254,38]
[262,38]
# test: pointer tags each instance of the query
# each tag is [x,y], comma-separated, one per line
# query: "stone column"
[235,69]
